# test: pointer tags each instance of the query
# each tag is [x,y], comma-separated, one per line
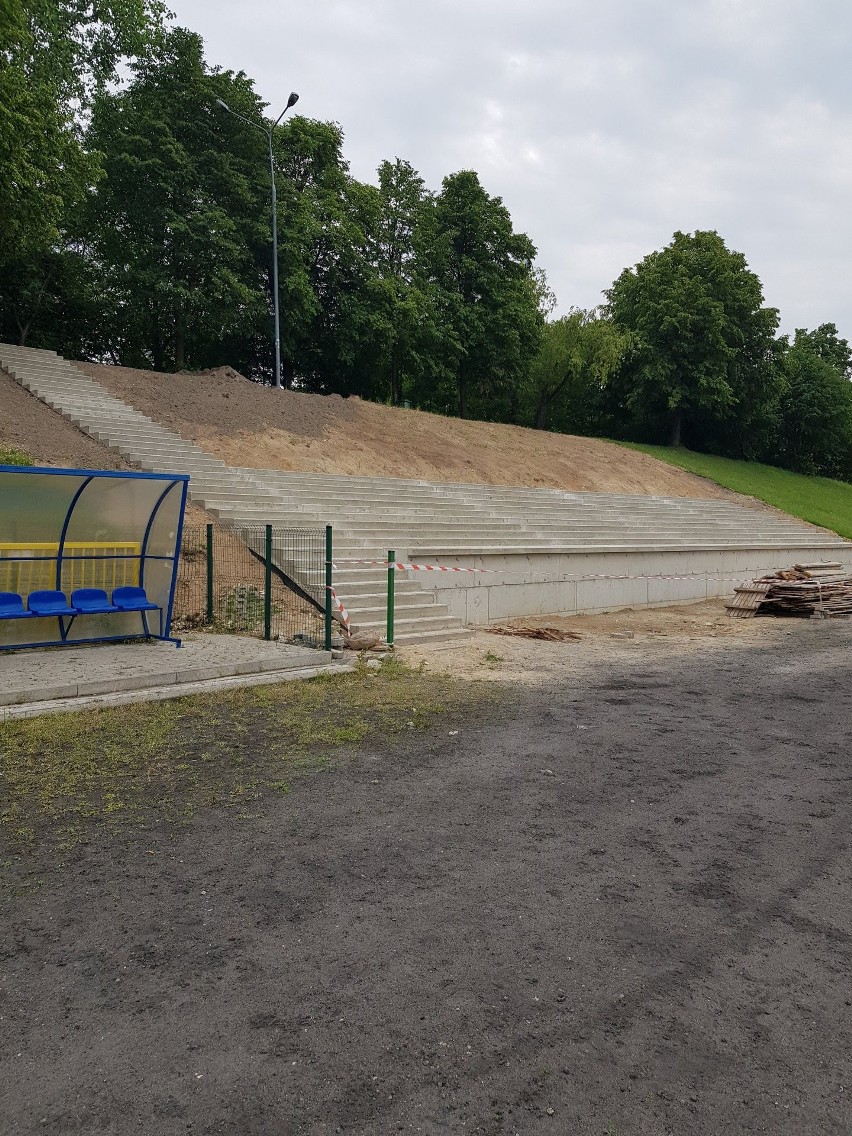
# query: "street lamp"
[267,130]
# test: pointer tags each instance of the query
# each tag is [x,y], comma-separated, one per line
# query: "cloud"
[603,127]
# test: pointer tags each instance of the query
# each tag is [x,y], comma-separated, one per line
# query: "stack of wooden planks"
[820,591]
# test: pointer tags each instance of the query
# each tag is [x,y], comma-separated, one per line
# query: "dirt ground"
[615,901]
[29,425]
[250,425]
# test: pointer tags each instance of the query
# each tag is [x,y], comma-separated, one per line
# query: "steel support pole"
[275,303]
[328,586]
[267,585]
[391,570]
[209,573]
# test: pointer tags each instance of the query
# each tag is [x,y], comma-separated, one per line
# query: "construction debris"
[813,591]
[364,642]
[551,634]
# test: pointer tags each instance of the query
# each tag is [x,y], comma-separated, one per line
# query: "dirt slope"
[27,424]
[255,426]
[249,425]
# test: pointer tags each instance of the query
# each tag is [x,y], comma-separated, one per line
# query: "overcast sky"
[604,126]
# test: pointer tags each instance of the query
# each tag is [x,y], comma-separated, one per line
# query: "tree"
[826,344]
[701,342]
[178,219]
[54,58]
[401,299]
[815,434]
[486,296]
[324,215]
[578,353]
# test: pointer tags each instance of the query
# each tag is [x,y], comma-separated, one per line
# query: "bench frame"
[173,484]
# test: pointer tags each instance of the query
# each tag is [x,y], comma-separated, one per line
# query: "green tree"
[400,298]
[487,297]
[54,58]
[815,434]
[178,219]
[701,341]
[578,353]
[324,217]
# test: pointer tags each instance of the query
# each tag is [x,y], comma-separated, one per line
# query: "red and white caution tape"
[402,567]
[345,617]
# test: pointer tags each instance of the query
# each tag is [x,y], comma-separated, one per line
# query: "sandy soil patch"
[635,633]
[250,425]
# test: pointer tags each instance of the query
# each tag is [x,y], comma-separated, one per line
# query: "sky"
[604,126]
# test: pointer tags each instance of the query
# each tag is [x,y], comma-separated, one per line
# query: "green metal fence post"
[209,573]
[391,561]
[267,586]
[328,601]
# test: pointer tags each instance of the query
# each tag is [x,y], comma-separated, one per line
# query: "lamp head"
[223,104]
[294,98]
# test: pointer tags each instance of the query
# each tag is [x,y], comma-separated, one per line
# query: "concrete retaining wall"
[519,584]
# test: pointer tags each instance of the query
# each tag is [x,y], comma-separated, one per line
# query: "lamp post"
[267,130]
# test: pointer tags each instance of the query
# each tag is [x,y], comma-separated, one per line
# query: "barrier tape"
[345,617]
[400,565]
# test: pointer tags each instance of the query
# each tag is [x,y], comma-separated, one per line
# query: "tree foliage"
[136,229]
[55,55]
[578,354]
[176,222]
[700,336]
[815,411]
[481,271]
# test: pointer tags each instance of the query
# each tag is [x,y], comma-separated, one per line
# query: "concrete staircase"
[238,497]
[422,521]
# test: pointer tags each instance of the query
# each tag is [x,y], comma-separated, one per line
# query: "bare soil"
[27,424]
[615,901]
[251,425]
[685,628]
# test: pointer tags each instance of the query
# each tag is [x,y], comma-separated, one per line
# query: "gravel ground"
[616,902]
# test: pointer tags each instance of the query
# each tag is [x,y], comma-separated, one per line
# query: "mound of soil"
[250,425]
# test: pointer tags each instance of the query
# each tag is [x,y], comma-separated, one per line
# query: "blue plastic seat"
[12,606]
[49,603]
[91,601]
[130,598]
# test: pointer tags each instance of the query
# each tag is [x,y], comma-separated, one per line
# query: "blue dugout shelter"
[87,555]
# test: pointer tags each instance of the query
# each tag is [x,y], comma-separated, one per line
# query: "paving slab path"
[67,678]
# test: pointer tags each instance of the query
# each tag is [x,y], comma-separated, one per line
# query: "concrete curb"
[161,693]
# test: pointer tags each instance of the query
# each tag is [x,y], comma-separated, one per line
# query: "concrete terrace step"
[423,521]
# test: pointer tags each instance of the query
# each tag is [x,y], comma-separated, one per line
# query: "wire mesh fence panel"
[224,584]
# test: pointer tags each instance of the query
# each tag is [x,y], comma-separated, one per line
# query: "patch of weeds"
[69,776]
[492,661]
[10,456]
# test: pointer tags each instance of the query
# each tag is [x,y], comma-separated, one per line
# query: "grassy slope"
[816,499]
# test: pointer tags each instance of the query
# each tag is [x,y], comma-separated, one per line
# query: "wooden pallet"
[820,591]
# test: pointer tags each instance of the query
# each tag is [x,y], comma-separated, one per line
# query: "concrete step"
[409,637]
[403,625]
[424,522]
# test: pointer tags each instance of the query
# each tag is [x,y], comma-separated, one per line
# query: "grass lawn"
[819,500]
[67,776]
